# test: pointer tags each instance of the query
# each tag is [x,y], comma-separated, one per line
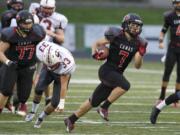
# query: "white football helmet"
[47,7]
[52,57]
[48,3]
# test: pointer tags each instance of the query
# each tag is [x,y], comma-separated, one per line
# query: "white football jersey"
[67,65]
[55,21]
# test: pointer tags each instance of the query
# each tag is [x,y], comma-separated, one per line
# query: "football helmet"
[47,7]
[132,24]
[15,4]
[176,7]
[24,21]
[51,57]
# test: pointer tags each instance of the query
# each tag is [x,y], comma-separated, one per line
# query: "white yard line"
[95,122]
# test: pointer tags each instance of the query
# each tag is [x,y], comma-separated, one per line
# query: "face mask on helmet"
[24,21]
[176,5]
[15,4]
[52,58]
[132,24]
[47,7]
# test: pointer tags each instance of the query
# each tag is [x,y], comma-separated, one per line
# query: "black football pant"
[22,76]
[110,79]
[47,77]
[172,58]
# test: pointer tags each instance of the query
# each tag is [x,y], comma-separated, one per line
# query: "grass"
[129,115]
[110,15]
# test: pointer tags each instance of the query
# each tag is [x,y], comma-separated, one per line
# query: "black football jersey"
[6,18]
[22,49]
[121,51]
[172,21]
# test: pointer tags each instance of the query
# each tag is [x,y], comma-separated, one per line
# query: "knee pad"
[38,92]
[93,103]
[126,86]
[6,92]
[166,78]
[54,103]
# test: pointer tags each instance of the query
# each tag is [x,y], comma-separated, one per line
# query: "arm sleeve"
[166,24]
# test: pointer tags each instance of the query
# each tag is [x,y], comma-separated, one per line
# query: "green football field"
[129,115]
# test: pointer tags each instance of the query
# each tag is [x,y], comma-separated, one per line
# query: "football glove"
[97,55]
[142,47]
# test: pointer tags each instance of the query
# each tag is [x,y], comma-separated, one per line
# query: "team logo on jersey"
[126,48]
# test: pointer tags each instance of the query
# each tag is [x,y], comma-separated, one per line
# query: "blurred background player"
[19,61]
[54,24]
[14,6]
[125,44]
[58,66]
[173,51]
[8,18]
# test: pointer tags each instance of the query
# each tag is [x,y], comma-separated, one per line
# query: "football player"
[171,21]
[58,66]
[8,18]
[19,61]
[54,24]
[125,44]
[14,6]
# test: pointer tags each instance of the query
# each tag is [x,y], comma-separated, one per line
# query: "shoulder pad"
[39,31]
[60,18]
[112,32]
[6,34]
[168,13]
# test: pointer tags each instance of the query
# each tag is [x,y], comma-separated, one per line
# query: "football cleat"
[154,115]
[22,110]
[103,113]
[69,125]
[38,123]
[29,117]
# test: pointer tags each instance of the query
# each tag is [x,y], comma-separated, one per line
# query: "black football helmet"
[176,7]
[15,4]
[22,18]
[128,23]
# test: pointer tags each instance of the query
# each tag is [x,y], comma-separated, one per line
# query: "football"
[103,52]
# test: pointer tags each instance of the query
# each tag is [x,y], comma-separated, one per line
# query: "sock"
[43,115]
[35,106]
[161,105]
[73,118]
[106,104]
[172,98]
[163,93]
